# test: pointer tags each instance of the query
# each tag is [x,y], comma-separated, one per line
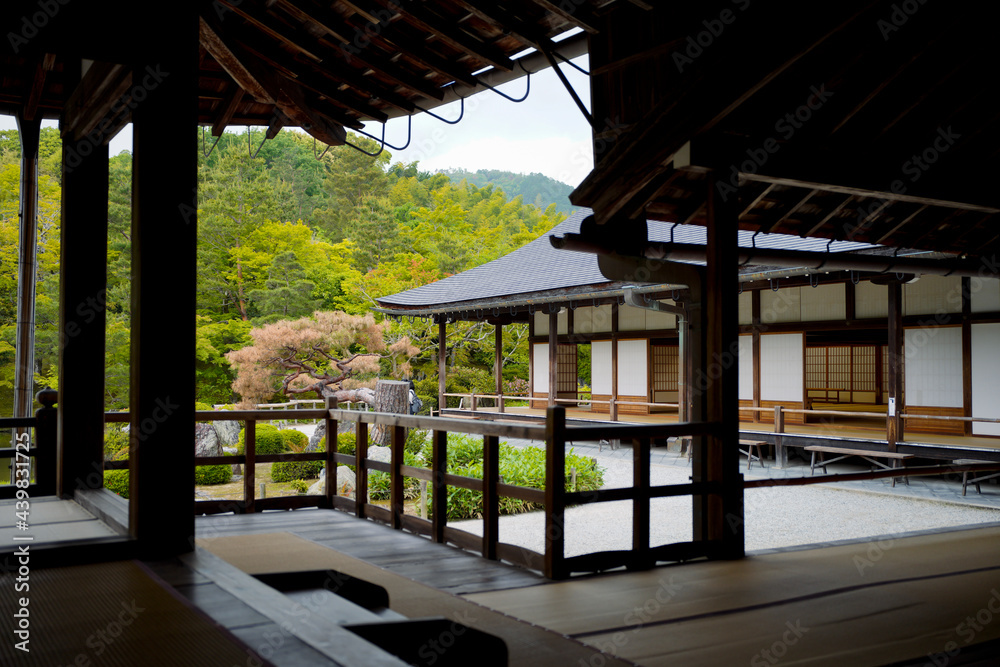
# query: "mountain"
[536,189]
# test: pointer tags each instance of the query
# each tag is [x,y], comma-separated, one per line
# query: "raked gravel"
[774,516]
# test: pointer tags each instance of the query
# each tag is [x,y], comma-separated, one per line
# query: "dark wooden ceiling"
[864,121]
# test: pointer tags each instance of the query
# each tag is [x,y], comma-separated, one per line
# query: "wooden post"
[439,500]
[640,504]
[361,468]
[780,452]
[967,353]
[553,359]
[555,492]
[164,276]
[894,423]
[613,412]
[755,306]
[720,515]
[442,362]
[331,453]
[850,301]
[82,285]
[250,466]
[24,344]
[498,363]
[491,499]
[46,465]
[396,476]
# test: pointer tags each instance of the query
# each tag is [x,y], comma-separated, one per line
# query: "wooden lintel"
[253,82]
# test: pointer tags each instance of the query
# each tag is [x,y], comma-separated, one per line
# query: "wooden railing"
[474,398]
[32,452]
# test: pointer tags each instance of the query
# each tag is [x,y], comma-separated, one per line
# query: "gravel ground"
[775,516]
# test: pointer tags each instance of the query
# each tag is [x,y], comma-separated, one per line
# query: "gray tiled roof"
[538,267]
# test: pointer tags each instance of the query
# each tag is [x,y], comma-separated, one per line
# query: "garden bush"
[296,441]
[211,475]
[115,442]
[518,466]
[289,471]
[117,481]
[268,440]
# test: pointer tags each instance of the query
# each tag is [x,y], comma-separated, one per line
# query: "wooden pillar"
[442,362]
[897,403]
[24,345]
[850,301]
[614,362]
[164,253]
[553,358]
[719,516]
[755,307]
[82,285]
[967,353]
[498,363]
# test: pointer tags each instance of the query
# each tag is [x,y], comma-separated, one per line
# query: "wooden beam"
[226,110]
[257,82]
[442,363]
[44,65]
[891,231]
[757,198]
[440,29]
[967,352]
[829,216]
[96,100]
[614,362]
[767,223]
[755,319]
[897,359]
[578,15]
[498,363]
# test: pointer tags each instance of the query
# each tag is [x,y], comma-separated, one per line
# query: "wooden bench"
[749,444]
[845,452]
[975,480]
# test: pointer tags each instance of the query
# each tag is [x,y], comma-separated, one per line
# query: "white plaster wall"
[602,319]
[540,368]
[823,302]
[871,300]
[781,367]
[986,377]
[985,295]
[933,366]
[781,306]
[563,323]
[541,324]
[631,319]
[933,294]
[746,368]
[600,367]
[656,320]
[583,320]
[746,307]
[633,373]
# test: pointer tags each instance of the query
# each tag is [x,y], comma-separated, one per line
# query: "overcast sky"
[546,133]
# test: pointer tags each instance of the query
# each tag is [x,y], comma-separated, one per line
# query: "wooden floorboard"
[412,556]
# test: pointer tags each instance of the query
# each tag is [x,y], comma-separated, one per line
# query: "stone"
[206,442]
[378,453]
[228,431]
[346,482]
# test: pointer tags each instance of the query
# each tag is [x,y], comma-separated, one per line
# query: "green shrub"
[211,475]
[379,482]
[117,481]
[115,442]
[416,441]
[296,441]
[518,466]
[290,471]
[198,405]
[268,440]
[299,485]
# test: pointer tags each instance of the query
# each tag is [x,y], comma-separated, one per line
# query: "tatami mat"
[109,614]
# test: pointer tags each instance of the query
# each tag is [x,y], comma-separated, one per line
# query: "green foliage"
[287,471]
[296,441]
[116,442]
[518,466]
[299,485]
[211,475]
[117,481]
[268,440]
[534,187]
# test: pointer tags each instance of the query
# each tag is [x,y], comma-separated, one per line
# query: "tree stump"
[390,396]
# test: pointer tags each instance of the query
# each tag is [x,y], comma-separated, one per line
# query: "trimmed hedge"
[211,475]
[289,471]
[117,481]
[296,441]
[268,440]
